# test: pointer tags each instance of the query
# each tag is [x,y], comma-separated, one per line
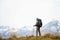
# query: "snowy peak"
[51,27]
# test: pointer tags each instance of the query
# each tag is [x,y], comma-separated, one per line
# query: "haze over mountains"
[51,27]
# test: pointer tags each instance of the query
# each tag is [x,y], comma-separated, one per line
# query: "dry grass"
[45,37]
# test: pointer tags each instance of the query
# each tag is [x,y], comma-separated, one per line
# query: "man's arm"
[35,24]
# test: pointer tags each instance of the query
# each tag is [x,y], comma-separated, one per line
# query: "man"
[38,25]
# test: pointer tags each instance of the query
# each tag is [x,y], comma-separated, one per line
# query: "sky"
[19,13]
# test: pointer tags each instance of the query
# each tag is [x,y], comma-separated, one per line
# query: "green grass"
[45,37]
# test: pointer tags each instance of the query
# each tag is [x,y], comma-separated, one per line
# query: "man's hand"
[34,25]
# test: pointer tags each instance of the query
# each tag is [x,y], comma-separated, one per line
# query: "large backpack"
[39,23]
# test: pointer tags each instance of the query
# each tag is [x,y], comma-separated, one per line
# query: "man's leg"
[36,31]
[39,32]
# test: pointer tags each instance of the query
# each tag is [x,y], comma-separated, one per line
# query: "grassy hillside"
[45,37]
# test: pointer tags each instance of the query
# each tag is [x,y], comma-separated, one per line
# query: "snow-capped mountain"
[51,27]
[4,31]
[25,31]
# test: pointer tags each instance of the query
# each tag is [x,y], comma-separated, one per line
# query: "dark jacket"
[38,23]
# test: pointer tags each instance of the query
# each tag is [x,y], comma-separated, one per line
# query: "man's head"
[37,19]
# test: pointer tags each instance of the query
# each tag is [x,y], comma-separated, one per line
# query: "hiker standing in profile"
[38,26]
